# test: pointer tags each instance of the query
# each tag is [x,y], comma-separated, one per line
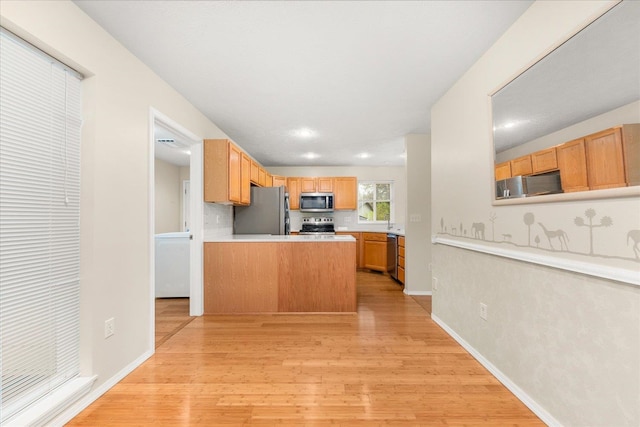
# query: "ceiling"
[594,72]
[335,83]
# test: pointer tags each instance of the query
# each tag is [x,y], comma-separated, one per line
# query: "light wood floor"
[172,314]
[387,365]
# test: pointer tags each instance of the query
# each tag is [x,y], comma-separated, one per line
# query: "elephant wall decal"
[477,229]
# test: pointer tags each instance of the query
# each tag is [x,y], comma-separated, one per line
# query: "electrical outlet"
[434,283]
[109,327]
[483,311]
[347,219]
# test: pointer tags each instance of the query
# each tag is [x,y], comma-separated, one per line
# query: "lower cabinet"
[401,259]
[375,251]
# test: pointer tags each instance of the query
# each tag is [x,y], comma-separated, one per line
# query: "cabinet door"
[235,170]
[631,145]
[269,180]
[279,181]
[345,190]
[544,160]
[605,161]
[245,182]
[324,185]
[262,181]
[503,171]
[293,187]
[375,255]
[521,166]
[216,170]
[308,185]
[572,162]
[255,172]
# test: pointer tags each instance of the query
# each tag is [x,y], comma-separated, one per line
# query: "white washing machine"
[172,265]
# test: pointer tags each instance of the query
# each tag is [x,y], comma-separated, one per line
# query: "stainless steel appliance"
[392,255]
[527,186]
[267,214]
[317,225]
[316,202]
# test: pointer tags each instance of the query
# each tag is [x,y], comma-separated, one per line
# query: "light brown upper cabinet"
[605,161]
[255,172]
[345,191]
[279,181]
[544,160]
[503,170]
[521,166]
[631,145]
[572,162]
[293,188]
[262,177]
[245,179]
[307,185]
[316,185]
[223,173]
[324,185]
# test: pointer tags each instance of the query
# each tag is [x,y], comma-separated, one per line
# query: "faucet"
[389,222]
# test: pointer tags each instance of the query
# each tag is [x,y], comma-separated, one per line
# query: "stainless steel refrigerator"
[267,214]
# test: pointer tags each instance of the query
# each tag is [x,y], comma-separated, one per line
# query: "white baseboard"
[545,416]
[73,410]
[417,293]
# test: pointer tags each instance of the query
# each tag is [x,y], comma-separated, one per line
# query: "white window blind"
[40,120]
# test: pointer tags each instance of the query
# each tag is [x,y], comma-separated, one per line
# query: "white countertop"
[396,231]
[280,238]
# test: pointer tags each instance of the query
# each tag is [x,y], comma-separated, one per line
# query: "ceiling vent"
[172,143]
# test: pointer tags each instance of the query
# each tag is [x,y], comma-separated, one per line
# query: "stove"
[317,225]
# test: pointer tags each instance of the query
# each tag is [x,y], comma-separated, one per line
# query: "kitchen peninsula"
[270,274]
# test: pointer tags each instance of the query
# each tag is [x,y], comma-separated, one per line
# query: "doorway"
[175,217]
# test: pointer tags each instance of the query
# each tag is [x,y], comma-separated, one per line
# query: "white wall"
[418,226]
[349,219]
[168,196]
[569,341]
[118,93]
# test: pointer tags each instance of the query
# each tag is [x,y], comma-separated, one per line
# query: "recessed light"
[363,155]
[304,133]
[310,155]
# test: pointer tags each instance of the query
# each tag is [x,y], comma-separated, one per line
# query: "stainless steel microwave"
[316,202]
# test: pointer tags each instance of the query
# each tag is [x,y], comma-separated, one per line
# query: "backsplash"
[217,220]
[341,219]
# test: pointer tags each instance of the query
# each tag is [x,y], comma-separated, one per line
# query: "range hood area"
[527,186]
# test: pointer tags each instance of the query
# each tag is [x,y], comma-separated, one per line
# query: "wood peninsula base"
[279,276]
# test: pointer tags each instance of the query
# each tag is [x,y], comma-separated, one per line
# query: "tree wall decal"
[605,221]
[529,219]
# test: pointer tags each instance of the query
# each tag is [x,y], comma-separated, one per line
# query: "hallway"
[389,364]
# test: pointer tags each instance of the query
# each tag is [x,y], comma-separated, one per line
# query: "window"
[375,201]
[39,225]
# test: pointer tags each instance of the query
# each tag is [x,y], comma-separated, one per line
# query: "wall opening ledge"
[620,274]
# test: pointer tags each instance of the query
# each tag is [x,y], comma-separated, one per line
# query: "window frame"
[375,200]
